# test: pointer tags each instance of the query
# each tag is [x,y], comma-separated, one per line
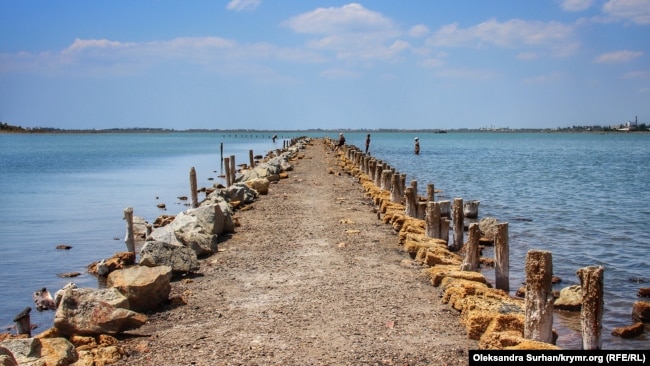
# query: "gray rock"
[197,229]
[570,299]
[181,259]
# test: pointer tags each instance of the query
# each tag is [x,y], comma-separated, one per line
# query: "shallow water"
[582,196]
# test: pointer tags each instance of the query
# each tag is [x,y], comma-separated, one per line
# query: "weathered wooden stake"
[251,158]
[395,190]
[471,261]
[432,220]
[23,322]
[430,192]
[422,209]
[414,185]
[470,209]
[221,149]
[233,169]
[591,314]
[378,173]
[226,161]
[386,176]
[130,236]
[538,303]
[444,229]
[459,224]
[411,207]
[502,258]
[193,188]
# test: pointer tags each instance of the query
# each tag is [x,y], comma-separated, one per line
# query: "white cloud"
[639,74]
[575,5]
[351,18]
[636,11]
[351,31]
[617,57]
[104,57]
[419,30]
[512,33]
[239,5]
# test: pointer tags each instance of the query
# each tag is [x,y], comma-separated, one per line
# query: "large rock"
[145,287]
[92,312]
[7,358]
[261,185]
[180,259]
[140,228]
[239,192]
[197,228]
[570,299]
[488,227]
[37,351]
[641,311]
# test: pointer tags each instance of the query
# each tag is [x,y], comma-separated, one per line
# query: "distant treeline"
[5,127]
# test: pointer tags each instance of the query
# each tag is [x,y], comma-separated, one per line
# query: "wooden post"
[445,208]
[23,322]
[471,261]
[227,171]
[233,169]
[395,191]
[444,229]
[378,173]
[430,192]
[250,157]
[591,313]
[432,220]
[372,164]
[130,236]
[411,208]
[459,223]
[402,183]
[386,176]
[502,258]
[470,209]
[221,149]
[422,209]
[538,302]
[414,184]
[193,189]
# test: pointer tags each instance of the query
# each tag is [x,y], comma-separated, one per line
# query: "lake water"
[582,196]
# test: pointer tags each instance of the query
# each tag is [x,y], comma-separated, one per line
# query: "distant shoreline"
[21,130]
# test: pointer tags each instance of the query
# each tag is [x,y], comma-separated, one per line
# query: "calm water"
[585,194]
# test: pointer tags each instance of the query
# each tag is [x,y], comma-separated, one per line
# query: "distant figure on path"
[417,146]
[367,143]
[341,141]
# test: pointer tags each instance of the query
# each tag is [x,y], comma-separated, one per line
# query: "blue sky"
[300,64]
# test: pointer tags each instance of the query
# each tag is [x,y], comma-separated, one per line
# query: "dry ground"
[311,277]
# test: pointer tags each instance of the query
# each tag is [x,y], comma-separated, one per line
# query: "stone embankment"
[87,321]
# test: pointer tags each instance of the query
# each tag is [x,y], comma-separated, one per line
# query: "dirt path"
[311,277]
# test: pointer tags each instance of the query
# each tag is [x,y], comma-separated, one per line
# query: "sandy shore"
[311,277]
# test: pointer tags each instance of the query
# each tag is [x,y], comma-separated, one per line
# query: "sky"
[304,64]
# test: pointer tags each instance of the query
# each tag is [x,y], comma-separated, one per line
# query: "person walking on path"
[367,143]
[417,146]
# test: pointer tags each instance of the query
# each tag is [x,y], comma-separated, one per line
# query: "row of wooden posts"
[539,264]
